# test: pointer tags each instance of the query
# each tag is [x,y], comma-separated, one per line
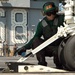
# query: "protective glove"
[20,51]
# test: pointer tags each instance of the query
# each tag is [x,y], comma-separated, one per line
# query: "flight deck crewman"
[47,27]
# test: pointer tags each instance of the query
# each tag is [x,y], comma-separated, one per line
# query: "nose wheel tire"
[66,53]
[69,53]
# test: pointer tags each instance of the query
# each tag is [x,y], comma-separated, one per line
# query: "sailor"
[47,27]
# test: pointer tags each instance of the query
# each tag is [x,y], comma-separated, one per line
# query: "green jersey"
[40,29]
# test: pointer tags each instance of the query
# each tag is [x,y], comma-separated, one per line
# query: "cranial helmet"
[49,7]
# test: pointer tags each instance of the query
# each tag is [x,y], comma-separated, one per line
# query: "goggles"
[49,13]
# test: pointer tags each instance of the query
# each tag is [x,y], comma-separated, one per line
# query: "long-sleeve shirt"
[39,30]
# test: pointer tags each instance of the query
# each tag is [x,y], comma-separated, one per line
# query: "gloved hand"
[20,51]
